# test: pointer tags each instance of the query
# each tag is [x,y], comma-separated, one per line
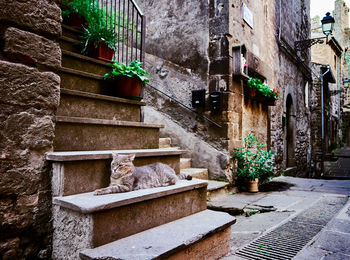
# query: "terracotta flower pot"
[127,87]
[252,92]
[77,21]
[253,185]
[102,52]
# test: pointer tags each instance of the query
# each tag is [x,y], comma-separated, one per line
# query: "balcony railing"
[123,17]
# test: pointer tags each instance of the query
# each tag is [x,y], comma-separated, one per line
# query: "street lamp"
[327,24]
[327,29]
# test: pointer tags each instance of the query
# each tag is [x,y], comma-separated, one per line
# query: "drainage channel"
[287,240]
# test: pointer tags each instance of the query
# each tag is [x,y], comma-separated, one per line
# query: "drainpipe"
[322,120]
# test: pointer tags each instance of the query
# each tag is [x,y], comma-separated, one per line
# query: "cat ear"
[114,156]
[131,156]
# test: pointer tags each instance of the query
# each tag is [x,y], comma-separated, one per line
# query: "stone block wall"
[29,96]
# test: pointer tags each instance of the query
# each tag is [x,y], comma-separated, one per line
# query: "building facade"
[197,45]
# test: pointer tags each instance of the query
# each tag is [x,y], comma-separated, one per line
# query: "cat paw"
[98,192]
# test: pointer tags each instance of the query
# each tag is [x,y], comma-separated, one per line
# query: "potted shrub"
[127,80]
[254,163]
[99,41]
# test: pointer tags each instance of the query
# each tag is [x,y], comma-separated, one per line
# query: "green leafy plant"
[254,161]
[84,8]
[98,32]
[133,70]
[256,83]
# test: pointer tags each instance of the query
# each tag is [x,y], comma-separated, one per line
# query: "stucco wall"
[29,96]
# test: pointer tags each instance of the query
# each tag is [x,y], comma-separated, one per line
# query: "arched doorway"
[290,133]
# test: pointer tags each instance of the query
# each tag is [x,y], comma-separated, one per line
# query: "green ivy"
[133,70]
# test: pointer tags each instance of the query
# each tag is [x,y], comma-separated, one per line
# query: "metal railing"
[122,19]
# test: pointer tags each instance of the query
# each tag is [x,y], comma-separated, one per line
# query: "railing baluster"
[119,38]
[132,34]
[127,34]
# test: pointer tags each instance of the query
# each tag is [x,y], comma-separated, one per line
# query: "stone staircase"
[215,189]
[167,222]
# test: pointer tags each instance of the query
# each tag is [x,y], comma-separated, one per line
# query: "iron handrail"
[187,107]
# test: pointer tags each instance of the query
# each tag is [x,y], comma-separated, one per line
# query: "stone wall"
[220,26]
[29,94]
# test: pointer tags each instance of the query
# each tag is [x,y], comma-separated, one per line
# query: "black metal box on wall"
[215,101]
[198,98]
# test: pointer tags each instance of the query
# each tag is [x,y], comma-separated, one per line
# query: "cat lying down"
[126,177]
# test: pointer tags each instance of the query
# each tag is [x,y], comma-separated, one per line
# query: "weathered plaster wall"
[29,96]
[255,120]
[178,32]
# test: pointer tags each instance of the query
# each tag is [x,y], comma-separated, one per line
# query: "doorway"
[290,133]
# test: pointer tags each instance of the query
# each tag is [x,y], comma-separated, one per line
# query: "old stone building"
[29,90]
[194,45]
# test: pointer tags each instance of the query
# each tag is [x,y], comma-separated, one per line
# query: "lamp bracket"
[305,44]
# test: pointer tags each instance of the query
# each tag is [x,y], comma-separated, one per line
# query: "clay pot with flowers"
[261,92]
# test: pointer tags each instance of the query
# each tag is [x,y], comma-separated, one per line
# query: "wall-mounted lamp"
[327,29]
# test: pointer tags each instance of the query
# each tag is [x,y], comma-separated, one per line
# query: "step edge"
[80,73]
[70,28]
[86,58]
[223,185]
[96,121]
[100,97]
[122,199]
[107,154]
[68,39]
[225,222]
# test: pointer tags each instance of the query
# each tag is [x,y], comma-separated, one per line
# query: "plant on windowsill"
[127,80]
[261,91]
[254,162]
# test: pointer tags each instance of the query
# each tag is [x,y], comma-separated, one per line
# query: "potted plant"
[127,80]
[261,91]
[76,13]
[254,163]
[99,41]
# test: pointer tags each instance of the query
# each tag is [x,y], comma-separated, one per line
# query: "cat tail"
[183,176]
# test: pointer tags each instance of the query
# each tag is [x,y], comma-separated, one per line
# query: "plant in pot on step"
[254,163]
[77,13]
[99,40]
[127,80]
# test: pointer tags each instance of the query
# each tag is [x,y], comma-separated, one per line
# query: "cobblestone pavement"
[323,204]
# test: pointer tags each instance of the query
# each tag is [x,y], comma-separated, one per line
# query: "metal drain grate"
[287,240]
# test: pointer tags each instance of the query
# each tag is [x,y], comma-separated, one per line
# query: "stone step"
[106,218]
[185,163]
[69,44]
[199,173]
[83,63]
[75,103]
[204,235]
[164,142]
[217,189]
[84,134]
[71,32]
[67,167]
[82,81]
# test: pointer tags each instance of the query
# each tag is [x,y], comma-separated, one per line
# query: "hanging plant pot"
[77,21]
[253,185]
[270,101]
[252,92]
[102,52]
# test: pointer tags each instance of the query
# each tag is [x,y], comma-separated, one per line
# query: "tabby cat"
[126,177]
